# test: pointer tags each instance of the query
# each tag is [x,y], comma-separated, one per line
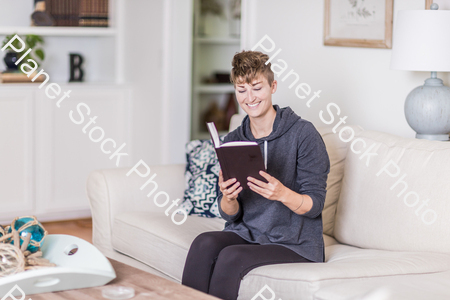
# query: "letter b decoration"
[76,73]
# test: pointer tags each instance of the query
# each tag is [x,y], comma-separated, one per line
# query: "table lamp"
[422,43]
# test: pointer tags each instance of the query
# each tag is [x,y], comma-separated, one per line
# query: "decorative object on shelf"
[31,41]
[230,110]
[217,77]
[14,72]
[222,77]
[211,6]
[10,60]
[40,17]
[422,43]
[214,114]
[358,23]
[19,77]
[213,20]
[235,20]
[76,73]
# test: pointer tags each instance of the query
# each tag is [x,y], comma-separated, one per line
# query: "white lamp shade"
[421,41]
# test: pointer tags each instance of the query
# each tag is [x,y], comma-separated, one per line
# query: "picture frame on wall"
[443,4]
[358,23]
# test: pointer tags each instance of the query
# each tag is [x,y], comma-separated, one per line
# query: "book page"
[214,134]
[239,143]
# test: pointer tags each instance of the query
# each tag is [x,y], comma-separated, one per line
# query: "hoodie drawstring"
[265,154]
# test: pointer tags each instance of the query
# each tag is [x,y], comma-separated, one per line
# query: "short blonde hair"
[249,65]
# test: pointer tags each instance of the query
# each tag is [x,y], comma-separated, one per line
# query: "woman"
[270,223]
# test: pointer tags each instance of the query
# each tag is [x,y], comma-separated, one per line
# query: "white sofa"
[378,245]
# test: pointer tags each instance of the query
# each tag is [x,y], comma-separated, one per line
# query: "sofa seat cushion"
[403,287]
[152,238]
[343,264]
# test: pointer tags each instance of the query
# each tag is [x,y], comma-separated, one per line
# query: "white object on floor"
[118,292]
[79,265]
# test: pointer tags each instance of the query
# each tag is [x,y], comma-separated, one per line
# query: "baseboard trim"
[54,216]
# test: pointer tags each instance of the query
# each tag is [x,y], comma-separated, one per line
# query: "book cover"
[238,159]
[94,13]
[64,12]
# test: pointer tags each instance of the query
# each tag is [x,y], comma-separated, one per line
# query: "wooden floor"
[81,228]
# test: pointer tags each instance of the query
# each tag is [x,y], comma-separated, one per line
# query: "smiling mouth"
[253,105]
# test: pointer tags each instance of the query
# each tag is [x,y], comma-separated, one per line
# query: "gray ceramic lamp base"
[427,110]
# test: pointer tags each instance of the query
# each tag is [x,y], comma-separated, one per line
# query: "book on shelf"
[238,159]
[85,13]
[94,13]
[19,77]
[64,12]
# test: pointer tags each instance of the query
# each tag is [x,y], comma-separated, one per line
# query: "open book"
[238,159]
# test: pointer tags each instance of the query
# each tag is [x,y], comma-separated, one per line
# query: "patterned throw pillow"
[202,180]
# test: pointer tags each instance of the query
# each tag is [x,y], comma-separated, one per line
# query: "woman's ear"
[274,86]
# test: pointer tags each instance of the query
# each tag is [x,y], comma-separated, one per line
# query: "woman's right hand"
[229,190]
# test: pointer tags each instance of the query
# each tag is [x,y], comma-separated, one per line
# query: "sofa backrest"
[236,121]
[395,194]
[337,150]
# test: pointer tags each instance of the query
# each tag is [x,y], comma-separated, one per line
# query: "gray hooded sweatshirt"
[295,154]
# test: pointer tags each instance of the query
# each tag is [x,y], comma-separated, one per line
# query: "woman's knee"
[206,240]
[235,256]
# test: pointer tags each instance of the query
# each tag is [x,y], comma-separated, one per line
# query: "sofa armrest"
[111,192]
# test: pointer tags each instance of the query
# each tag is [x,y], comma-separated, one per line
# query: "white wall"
[358,80]
[178,27]
[157,41]
[142,48]
[16,13]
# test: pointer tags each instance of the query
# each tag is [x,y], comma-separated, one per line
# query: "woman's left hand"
[273,190]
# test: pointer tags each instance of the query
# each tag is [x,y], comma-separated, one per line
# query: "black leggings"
[218,260]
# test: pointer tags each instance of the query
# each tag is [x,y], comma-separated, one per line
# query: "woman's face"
[255,98]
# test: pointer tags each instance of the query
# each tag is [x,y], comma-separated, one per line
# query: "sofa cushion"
[405,287]
[337,150]
[202,179]
[398,198]
[343,264]
[155,240]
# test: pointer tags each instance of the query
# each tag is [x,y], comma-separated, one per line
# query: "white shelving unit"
[217,40]
[58,31]
[213,49]
[214,88]
[100,47]
[47,157]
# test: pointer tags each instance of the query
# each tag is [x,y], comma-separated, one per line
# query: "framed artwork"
[358,23]
[443,4]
